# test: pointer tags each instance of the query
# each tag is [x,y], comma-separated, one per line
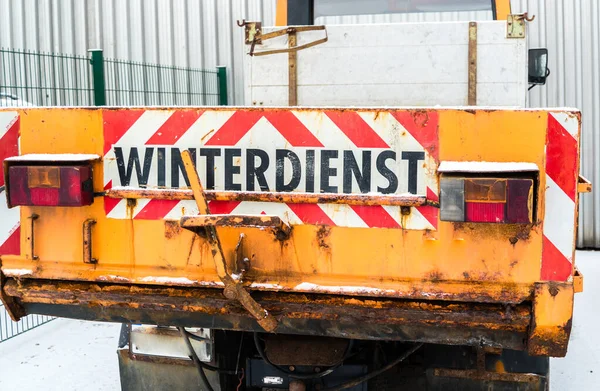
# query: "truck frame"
[302,247]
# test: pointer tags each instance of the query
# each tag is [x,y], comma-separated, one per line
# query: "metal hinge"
[515,25]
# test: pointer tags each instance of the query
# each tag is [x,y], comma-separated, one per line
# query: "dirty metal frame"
[482,374]
[451,323]
[260,196]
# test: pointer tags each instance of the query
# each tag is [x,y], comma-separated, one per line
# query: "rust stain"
[256,196]
[278,227]
[553,288]
[172,229]
[435,276]
[323,236]
[131,204]
[207,134]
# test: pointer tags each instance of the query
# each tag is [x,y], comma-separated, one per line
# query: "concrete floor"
[76,355]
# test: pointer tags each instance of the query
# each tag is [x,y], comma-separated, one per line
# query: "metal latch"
[233,288]
[515,25]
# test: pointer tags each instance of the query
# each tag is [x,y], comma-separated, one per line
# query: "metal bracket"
[233,289]
[87,241]
[289,30]
[515,25]
[33,218]
[584,185]
[242,263]
[278,227]
[252,31]
[254,36]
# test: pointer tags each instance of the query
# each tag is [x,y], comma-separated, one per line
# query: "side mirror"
[538,66]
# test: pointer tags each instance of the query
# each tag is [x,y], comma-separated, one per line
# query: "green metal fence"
[10,329]
[50,79]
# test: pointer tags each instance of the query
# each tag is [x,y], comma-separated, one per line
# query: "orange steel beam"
[281,13]
[502,9]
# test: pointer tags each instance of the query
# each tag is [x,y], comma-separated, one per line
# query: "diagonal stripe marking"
[156,209]
[292,129]
[9,145]
[235,128]
[311,214]
[375,216]
[356,129]
[116,124]
[561,157]
[423,126]
[175,127]
[555,267]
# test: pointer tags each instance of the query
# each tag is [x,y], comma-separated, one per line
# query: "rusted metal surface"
[552,319]
[87,241]
[14,309]
[472,58]
[233,289]
[292,69]
[257,196]
[482,374]
[291,48]
[280,229]
[31,237]
[252,31]
[323,315]
[475,374]
[305,350]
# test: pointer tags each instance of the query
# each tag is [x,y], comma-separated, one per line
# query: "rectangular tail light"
[487,200]
[40,185]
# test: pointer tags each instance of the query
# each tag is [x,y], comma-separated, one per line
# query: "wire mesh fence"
[10,329]
[137,84]
[29,78]
[44,79]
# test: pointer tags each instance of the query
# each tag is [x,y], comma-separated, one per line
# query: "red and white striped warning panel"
[9,218]
[562,170]
[312,151]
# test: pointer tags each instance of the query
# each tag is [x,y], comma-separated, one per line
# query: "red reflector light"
[50,185]
[484,212]
[486,200]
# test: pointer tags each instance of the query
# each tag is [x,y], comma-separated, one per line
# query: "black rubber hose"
[203,364]
[377,372]
[196,360]
[299,376]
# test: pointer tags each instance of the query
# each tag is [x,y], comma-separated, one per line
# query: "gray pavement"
[76,355]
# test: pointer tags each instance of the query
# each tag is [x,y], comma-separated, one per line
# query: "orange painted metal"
[461,262]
